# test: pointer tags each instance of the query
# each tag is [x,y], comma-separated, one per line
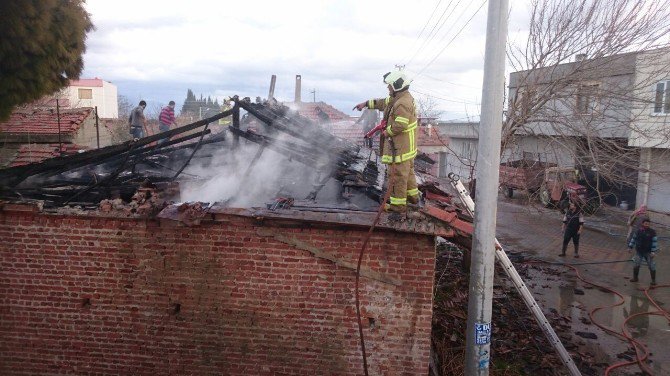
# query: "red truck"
[522,175]
[555,186]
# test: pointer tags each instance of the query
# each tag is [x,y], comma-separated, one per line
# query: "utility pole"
[478,337]
[60,144]
[313,92]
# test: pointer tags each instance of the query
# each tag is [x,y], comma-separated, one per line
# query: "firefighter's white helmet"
[397,79]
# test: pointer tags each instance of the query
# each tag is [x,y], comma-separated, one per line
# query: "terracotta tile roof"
[89,82]
[35,153]
[346,130]
[351,132]
[312,111]
[45,121]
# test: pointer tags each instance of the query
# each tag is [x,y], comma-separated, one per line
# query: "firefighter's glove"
[360,106]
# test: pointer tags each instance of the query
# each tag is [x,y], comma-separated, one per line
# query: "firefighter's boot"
[636,272]
[653,277]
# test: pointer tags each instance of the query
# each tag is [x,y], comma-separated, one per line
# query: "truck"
[555,186]
[523,175]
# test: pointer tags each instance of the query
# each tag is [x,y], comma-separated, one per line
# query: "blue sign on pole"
[482,333]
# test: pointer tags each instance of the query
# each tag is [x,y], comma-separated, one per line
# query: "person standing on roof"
[646,245]
[137,121]
[398,139]
[166,119]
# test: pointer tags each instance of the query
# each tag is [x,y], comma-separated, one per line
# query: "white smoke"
[272,175]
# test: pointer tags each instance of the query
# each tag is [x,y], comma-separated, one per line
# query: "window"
[586,98]
[662,98]
[85,93]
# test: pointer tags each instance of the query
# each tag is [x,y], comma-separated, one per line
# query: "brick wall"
[231,297]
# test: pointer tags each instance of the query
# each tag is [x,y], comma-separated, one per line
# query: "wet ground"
[604,260]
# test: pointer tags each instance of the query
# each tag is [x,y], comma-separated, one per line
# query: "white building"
[92,92]
[461,155]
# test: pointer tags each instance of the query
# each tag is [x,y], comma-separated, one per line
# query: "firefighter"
[398,146]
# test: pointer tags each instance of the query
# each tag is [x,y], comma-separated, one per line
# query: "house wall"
[650,129]
[610,119]
[232,296]
[560,151]
[462,152]
[105,97]
[86,135]
[658,199]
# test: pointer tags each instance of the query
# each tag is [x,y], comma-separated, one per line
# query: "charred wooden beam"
[308,133]
[276,146]
[11,177]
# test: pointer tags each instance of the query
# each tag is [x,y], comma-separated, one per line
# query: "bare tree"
[428,108]
[584,84]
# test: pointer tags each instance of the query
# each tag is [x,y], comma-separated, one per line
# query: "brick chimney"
[298,88]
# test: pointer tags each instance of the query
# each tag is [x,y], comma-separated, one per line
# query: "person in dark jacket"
[137,121]
[646,245]
[573,222]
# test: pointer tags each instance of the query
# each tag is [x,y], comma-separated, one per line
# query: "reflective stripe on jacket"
[400,115]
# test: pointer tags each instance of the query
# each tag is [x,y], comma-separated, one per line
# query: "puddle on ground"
[565,295]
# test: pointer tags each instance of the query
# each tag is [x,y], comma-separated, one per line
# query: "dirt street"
[536,232]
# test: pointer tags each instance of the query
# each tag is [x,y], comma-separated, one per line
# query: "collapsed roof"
[286,167]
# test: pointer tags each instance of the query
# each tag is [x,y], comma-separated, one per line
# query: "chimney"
[297,88]
[273,81]
[580,57]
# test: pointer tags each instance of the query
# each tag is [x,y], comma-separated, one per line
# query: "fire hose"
[365,243]
[641,350]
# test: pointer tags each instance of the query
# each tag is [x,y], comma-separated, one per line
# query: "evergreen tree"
[190,104]
[204,106]
[41,48]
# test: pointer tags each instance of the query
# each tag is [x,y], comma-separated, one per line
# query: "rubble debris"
[587,335]
[520,348]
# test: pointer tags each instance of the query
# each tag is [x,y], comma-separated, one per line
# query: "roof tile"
[35,153]
[45,121]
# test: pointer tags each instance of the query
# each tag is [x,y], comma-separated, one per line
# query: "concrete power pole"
[478,338]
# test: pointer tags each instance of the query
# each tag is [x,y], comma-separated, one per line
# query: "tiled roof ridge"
[45,121]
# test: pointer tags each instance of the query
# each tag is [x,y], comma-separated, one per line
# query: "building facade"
[606,116]
[93,92]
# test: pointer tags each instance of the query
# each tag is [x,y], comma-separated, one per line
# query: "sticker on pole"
[482,333]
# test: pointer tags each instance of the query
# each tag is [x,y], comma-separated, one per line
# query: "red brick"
[248,304]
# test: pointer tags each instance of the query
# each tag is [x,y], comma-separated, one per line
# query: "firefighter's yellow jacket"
[400,134]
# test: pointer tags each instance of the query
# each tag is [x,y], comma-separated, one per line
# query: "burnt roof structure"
[318,173]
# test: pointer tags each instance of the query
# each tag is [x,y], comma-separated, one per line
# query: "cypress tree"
[41,48]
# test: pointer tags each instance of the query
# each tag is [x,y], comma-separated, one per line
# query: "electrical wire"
[432,35]
[428,22]
[452,39]
[445,99]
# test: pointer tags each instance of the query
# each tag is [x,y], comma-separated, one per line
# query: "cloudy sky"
[157,50]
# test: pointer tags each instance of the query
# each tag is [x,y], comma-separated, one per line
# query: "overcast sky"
[157,50]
